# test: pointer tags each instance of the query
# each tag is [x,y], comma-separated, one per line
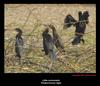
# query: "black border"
[48,1]
[2,38]
[36,78]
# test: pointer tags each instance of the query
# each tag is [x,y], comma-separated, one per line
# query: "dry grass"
[30,19]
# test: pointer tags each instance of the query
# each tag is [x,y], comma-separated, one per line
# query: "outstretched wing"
[69,21]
